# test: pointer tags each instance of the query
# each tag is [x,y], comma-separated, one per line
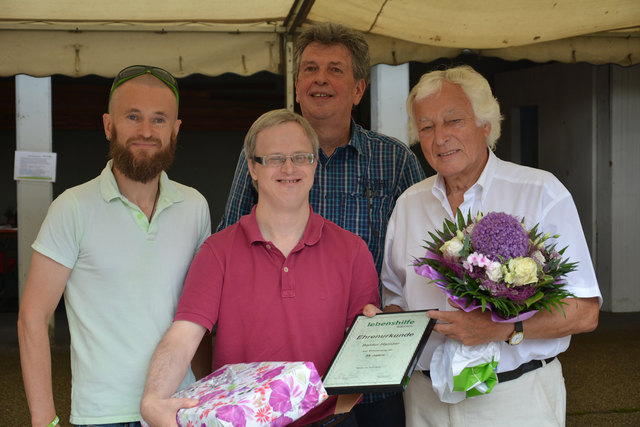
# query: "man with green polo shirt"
[118,247]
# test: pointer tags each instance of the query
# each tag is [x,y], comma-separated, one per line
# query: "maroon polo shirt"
[272,308]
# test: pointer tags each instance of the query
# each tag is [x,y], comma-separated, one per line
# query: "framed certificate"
[379,353]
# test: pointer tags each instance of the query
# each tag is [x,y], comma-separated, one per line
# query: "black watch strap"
[518,326]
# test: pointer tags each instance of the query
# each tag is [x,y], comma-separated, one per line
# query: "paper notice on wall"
[34,166]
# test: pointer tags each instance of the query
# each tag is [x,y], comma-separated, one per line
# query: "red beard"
[140,167]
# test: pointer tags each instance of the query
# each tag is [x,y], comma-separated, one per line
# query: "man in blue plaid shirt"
[360,173]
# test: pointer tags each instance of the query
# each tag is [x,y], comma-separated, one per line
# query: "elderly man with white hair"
[456,119]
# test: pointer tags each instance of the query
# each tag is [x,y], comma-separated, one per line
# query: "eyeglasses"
[138,70]
[277,160]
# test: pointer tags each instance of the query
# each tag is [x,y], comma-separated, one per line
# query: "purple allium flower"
[516,294]
[498,234]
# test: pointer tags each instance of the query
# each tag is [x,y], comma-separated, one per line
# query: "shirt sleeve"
[202,291]
[205,223]
[562,218]
[61,231]
[242,195]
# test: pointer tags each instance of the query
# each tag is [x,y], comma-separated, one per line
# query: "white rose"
[451,249]
[494,271]
[523,271]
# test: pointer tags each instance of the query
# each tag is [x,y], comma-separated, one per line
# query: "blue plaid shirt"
[356,187]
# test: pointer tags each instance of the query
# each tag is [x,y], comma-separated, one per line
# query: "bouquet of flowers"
[490,262]
[495,263]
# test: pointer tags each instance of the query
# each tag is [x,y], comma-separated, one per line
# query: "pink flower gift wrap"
[253,394]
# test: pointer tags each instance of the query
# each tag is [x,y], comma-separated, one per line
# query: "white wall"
[625,187]
[389,92]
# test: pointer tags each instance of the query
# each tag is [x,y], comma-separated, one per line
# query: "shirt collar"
[356,142]
[169,194]
[439,189]
[311,235]
[484,182]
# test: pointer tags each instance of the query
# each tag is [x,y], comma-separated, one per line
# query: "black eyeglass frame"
[263,159]
[134,71]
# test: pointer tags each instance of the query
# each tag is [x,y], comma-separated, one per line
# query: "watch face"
[516,338]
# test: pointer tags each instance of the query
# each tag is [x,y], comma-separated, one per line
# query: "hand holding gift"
[163,411]
[248,394]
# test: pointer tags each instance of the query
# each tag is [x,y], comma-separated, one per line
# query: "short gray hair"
[328,33]
[475,87]
[275,118]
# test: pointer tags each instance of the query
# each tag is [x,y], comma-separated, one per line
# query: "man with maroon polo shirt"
[282,284]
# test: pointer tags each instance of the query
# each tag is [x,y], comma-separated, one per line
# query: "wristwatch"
[518,334]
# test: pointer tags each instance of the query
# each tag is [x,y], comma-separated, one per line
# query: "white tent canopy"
[211,37]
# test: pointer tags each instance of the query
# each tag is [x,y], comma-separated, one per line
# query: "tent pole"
[289,72]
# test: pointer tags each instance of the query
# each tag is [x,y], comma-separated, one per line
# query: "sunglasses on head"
[138,70]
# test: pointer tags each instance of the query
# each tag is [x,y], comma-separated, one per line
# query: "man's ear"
[359,91]
[252,169]
[486,129]
[106,123]
[295,87]
[176,127]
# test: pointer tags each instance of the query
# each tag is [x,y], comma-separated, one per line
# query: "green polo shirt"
[127,276]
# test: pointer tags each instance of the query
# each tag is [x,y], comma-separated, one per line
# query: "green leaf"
[460,217]
[534,298]
[452,227]
[434,238]
[467,244]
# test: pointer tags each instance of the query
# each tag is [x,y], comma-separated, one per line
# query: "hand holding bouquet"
[489,262]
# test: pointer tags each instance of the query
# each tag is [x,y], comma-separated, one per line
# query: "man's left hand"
[470,328]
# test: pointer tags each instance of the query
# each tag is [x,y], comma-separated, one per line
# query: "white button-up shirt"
[521,191]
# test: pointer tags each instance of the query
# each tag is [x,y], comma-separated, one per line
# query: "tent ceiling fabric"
[106,53]
[482,24]
[211,37]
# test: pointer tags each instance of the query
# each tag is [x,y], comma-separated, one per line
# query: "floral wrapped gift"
[494,263]
[253,394]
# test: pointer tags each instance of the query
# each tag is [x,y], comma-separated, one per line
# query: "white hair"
[475,87]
